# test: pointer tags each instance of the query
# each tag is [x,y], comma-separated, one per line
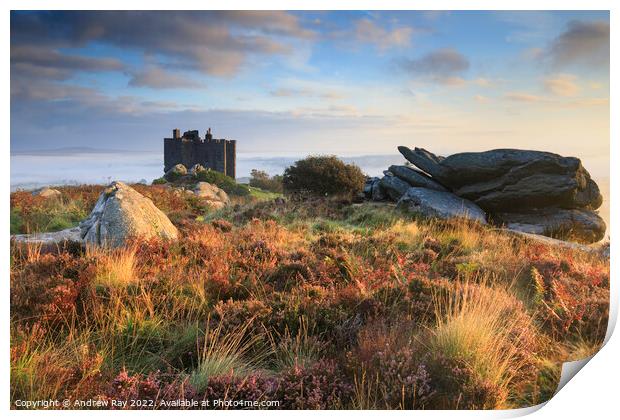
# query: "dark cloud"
[216,43]
[41,62]
[583,43]
[442,65]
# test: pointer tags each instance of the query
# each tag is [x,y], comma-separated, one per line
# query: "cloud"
[40,62]
[442,66]
[158,78]
[524,97]
[217,43]
[367,31]
[554,101]
[582,43]
[562,85]
[60,103]
[483,82]
[305,92]
[373,31]
[481,98]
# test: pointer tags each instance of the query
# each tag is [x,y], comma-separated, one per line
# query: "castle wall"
[231,158]
[216,154]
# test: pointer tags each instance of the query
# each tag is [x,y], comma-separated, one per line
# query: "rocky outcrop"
[508,179]
[213,195]
[176,172]
[569,224]
[122,213]
[532,191]
[415,178]
[439,204]
[393,187]
[47,192]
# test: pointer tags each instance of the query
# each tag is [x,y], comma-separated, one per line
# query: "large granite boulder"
[177,171]
[47,192]
[509,179]
[439,204]
[212,194]
[122,213]
[540,183]
[583,226]
[415,178]
[393,187]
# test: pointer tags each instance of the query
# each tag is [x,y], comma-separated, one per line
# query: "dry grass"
[487,329]
[115,267]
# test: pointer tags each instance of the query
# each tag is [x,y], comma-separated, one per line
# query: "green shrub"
[17,222]
[224,182]
[159,181]
[323,176]
[262,180]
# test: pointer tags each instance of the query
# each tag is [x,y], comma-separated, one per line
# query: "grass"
[260,194]
[225,354]
[486,329]
[114,267]
[320,304]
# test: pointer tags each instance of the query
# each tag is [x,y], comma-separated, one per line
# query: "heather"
[317,303]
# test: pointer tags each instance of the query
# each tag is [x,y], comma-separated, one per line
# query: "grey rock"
[194,170]
[600,250]
[583,226]
[439,204]
[122,213]
[512,179]
[47,192]
[536,184]
[393,187]
[415,178]
[212,194]
[50,238]
[378,193]
[426,161]
[367,190]
[175,172]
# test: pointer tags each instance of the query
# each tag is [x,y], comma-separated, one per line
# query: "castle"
[190,149]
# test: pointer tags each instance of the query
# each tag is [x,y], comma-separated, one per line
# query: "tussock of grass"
[486,328]
[226,354]
[114,267]
[300,350]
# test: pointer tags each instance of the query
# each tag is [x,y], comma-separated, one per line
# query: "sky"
[294,83]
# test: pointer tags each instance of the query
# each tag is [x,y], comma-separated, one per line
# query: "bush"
[224,182]
[159,181]
[323,175]
[262,180]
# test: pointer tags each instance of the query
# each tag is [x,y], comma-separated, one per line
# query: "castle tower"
[190,149]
